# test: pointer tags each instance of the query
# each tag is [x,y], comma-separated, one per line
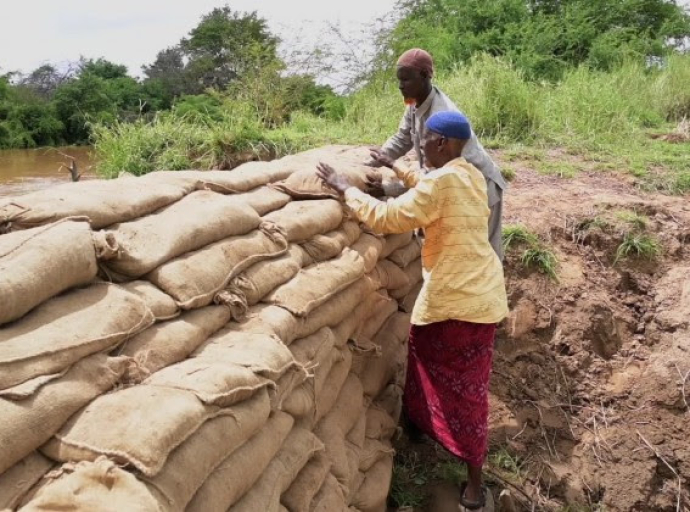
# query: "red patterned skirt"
[447,388]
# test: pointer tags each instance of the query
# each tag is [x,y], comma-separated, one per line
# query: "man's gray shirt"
[411,134]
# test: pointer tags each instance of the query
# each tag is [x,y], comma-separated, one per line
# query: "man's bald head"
[415,69]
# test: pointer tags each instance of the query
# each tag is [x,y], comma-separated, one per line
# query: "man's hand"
[338,182]
[374,184]
[381,158]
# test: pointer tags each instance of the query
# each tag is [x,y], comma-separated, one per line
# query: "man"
[415,71]
[462,299]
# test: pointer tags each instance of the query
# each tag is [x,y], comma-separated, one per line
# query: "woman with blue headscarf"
[462,299]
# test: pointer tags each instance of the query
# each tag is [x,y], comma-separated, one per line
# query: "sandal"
[486,504]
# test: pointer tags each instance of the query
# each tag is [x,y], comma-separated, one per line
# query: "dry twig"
[658,456]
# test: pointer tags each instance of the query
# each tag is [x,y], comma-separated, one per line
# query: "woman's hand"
[338,182]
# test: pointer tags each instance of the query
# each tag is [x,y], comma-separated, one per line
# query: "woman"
[462,299]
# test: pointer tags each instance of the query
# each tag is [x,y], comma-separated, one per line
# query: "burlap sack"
[314,285]
[394,242]
[61,331]
[372,494]
[252,285]
[316,353]
[408,301]
[39,263]
[265,200]
[304,219]
[330,497]
[414,275]
[242,178]
[372,325]
[405,255]
[372,452]
[330,245]
[268,319]
[380,425]
[354,444]
[336,380]
[104,202]
[305,184]
[391,338]
[26,425]
[297,449]
[195,221]
[309,481]
[191,463]
[390,400]
[239,471]
[300,403]
[87,487]
[161,304]
[286,385]
[16,481]
[196,277]
[335,310]
[347,329]
[263,354]
[334,427]
[138,426]
[170,342]
[369,247]
[389,276]
[214,383]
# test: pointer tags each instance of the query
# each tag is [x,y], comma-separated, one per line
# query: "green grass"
[510,465]
[558,168]
[514,235]
[541,259]
[637,245]
[635,220]
[410,476]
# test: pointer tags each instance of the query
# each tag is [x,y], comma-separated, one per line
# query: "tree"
[226,45]
[46,79]
[168,77]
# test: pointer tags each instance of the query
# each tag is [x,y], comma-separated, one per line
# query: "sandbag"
[160,303]
[330,497]
[335,310]
[16,482]
[103,202]
[263,354]
[242,178]
[225,485]
[87,487]
[268,319]
[336,379]
[138,426]
[316,352]
[372,325]
[264,496]
[390,400]
[334,427]
[300,403]
[408,301]
[169,342]
[354,444]
[265,200]
[389,276]
[372,494]
[196,277]
[62,331]
[405,255]
[391,338]
[304,219]
[39,263]
[369,247]
[394,242]
[197,220]
[27,424]
[213,382]
[252,285]
[309,481]
[380,425]
[314,285]
[330,245]
[414,275]
[372,452]
[197,457]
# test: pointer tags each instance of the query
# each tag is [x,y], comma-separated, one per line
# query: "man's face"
[434,145]
[411,83]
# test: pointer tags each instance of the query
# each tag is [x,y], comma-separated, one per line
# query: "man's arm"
[417,208]
[401,142]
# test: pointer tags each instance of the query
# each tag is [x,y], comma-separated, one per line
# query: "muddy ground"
[589,398]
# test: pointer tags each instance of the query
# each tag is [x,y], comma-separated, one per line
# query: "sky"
[132,32]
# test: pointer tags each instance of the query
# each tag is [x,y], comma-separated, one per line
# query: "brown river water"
[26,170]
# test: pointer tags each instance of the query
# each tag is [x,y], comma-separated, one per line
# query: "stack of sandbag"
[221,340]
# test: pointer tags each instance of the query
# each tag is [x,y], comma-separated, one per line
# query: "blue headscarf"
[453,125]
